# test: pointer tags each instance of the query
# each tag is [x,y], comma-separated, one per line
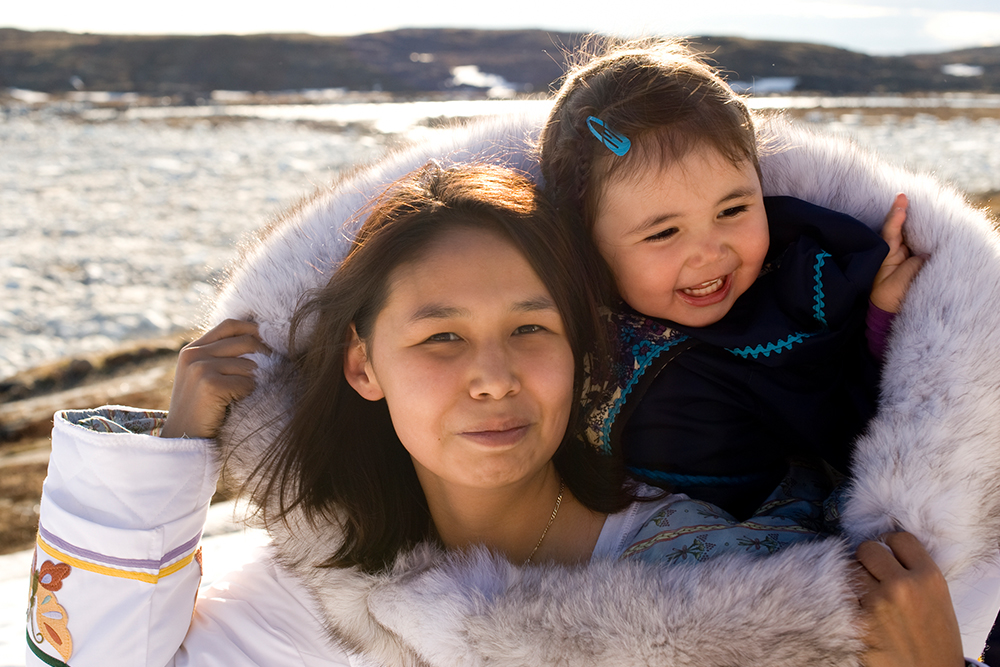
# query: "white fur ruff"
[929,463]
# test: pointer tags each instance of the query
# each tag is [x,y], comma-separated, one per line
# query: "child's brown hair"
[660,96]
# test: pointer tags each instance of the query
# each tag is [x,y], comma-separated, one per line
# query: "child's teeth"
[704,288]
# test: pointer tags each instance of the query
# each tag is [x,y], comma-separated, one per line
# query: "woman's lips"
[707,293]
[502,437]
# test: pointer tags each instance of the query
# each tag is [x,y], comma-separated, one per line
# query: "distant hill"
[423,61]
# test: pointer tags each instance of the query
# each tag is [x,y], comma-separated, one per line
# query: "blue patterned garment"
[694,531]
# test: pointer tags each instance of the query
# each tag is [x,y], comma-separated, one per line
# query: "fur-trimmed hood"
[929,462]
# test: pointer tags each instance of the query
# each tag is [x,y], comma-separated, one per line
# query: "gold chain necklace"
[555,510]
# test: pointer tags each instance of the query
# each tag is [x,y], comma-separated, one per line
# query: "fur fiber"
[929,462]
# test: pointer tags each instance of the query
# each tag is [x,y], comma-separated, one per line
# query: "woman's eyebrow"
[533,304]
[439,311]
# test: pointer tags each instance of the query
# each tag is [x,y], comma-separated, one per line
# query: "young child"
[654,156]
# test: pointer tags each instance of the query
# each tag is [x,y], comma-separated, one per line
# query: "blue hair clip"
[616,143]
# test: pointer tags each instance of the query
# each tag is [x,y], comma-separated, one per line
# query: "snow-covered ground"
[112,231]
[113,225]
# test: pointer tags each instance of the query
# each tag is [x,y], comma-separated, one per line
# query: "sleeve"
[118,564]
[878,324]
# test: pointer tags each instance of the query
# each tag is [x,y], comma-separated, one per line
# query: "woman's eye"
[442,338]
[529,328]
[663,234]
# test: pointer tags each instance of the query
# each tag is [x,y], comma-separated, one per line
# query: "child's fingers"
[897,254]
[908,270]
[893,282]
[892,228]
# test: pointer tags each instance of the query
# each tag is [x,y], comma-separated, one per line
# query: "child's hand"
[899,268]
[907,607]
[210,375]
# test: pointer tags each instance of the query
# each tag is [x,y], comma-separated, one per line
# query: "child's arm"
[899,267]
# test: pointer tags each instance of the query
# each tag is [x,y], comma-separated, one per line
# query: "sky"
[883,27]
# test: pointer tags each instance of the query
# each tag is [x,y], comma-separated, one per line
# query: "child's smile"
[708,292]
[686,241]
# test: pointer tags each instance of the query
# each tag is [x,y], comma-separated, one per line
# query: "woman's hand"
[907,607]
[210,375]
[899,267]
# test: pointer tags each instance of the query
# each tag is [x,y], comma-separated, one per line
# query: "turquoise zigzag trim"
[679,480]
[786,344]
[778,347]
[644,363]
[820,297]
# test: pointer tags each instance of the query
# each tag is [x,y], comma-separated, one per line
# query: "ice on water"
[114,225]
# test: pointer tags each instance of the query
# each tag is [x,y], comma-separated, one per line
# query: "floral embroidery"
[711,512]
[51,575]
[49,622]
[771,543]
[698,550]
[662,518]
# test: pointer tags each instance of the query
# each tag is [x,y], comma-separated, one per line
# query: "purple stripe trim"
[134,563]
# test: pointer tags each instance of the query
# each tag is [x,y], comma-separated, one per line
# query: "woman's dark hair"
[665,99]
[338,458]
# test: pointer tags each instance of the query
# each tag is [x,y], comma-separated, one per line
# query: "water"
[114,224]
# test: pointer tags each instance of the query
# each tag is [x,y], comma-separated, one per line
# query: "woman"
[495,613]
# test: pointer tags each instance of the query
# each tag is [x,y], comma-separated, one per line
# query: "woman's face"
[472,358]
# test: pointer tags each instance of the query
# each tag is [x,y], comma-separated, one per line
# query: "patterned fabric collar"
[639,343]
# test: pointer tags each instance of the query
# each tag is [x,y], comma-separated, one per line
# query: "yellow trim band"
[111,571]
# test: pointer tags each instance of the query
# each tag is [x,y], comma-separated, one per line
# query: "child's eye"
[733,212]
[663,234]
[446,337]
[529,328]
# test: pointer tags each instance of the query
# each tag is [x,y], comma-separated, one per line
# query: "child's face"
[686,241]
[472,357]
